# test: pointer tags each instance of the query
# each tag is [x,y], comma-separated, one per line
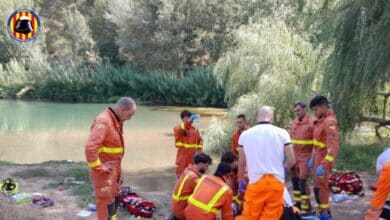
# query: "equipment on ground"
[349,182]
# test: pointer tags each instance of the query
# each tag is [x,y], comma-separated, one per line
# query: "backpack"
[348,182]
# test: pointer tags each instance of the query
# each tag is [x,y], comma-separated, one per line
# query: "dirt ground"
[155,186]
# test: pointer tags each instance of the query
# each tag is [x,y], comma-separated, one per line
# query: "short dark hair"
[185,113]
[223,169]
[318,100]
[202,158]
[228,157]
[242,116]
[300,104]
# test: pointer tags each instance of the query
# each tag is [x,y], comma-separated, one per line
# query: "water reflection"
[33,132]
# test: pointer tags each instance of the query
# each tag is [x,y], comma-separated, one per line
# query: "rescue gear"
[183,189]
[211,195]
[135,205]
[348,182]
[326,146]
[104,152]
[320,171]
[379,199]
[263,199]
[310,163]
[186,146]
[9,186]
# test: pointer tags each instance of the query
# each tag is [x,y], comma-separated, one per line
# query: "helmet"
[9,186]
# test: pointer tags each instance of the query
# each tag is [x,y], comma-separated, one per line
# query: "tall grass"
[105,83]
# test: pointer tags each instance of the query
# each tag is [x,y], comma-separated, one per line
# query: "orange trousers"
[321,187]
[263,200]
[380,195]
[106,187]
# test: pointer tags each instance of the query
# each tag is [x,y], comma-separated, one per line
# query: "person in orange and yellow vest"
[302,139]
[326,147]
[104,152]
[211,196]
[185,185]
[383,189]
[241,127]
[187,141]
[231,158]
[265,152]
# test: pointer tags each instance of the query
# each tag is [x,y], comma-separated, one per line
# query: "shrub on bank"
[198,87]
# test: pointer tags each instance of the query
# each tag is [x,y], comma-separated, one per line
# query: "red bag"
[136,206]
[349,182]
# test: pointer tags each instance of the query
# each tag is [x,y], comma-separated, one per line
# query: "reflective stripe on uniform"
[319,144]
[111,150]
[324,206]
[180,144]
[304,207]
[305,197]
[302,142]
[95,163]
[237,200]
[329,158]
[209,207]
[183,126]
[177,196]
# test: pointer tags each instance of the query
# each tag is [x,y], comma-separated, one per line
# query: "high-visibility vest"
[209,207]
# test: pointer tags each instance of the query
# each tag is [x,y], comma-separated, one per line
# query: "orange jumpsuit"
[211,195]
[326,147]
[232,179]
[105,145]
[184,187]
[187,142]
[302,140]
[380,195]
[236,135]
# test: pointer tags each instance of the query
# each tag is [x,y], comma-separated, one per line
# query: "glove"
[310,163]
[194,117]
[320,171]
[242,186]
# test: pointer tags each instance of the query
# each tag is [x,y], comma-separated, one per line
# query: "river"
[33,132]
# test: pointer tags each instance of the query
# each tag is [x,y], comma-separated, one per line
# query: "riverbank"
[49,178]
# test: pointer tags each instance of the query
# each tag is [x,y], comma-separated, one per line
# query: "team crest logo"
[23,25]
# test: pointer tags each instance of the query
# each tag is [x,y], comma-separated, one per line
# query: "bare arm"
[241,164]
[289,152]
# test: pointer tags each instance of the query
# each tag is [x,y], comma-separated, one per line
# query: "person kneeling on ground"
[210,196]
[186,184]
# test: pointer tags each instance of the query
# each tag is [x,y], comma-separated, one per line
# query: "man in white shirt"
[263,150]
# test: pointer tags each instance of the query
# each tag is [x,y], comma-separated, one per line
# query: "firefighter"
[210,196]
[302,140]
[383,190]
[187,141]
[231,158]
[104,152]
[264,147]
[186,184]
[326,147]
[241,127]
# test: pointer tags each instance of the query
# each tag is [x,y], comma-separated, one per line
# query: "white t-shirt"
[383,158]
[263,146]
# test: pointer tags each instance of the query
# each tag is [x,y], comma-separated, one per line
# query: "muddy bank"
[154,185]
